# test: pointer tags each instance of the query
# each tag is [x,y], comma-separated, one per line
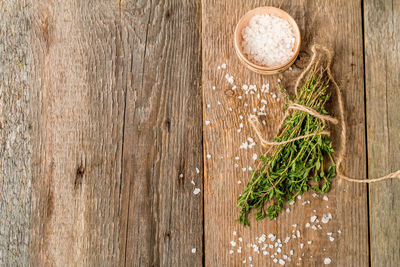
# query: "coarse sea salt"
[268,40]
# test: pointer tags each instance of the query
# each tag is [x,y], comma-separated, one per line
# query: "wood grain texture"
[161,217]
[338,26]
[116,102]
[15,150]
[382,37]
[77,102]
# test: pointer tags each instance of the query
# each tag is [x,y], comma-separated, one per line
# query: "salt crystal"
[275,260]
[240,239]
[240,97]
[241,117]
[241,125]
[233,243]
[327,261]
[207,122]
[314,195]
[279,250]
[223,66]
[299,197]
[314,227]
[236,165]
[244,169]
[197,170]
[281,262]
[313,218]
[193,182]
[234,233]
[196,191]
[265,252]
[331,239]
[339,231]
[219,103]
[208,105]
[294,225]
[239,182]
[208,156]
[231,251]
[325,198]
[255,157]
[301,245]
[213,87]
[287,210]
[279,80]
[181,175]
[309,242]
[194,250]
[268,40]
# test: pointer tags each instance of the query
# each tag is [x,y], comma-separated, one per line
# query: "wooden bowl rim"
[275,12]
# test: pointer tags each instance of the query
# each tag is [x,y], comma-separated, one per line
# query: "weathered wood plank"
[161,217]
[382,39]
[78,91]
[15,150]
[337,25]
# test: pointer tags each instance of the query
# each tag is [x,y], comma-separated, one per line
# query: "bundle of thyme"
[287,170]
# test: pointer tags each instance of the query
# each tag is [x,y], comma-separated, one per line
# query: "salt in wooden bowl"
[238,40]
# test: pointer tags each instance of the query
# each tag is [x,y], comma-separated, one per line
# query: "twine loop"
[255,124]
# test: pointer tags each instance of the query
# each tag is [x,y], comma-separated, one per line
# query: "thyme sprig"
[286,171]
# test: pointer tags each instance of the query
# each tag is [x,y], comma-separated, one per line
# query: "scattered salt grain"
[325,198]
[236,165]
[229,78]
[299,197]
[196,191]
[339,231]
[275,260]
[193,182]
[240,97]
[208,156]
[240,239]
[279,80]
[331,238]
[255,156]
[241,125]
[213,87]
[233,243]
[219,103]
[231,251]
[314,195]
[197,170]
[327,261]
[268,40]
[309,242]
[207,122]
[287,210]
[241,117]
[281,262]
[313,218]
[194,250]
[239,182]
[181,175]
[223,66]
[326,218]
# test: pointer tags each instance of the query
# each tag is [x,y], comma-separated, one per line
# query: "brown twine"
[257,127]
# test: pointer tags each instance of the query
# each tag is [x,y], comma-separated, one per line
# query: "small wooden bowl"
[238,40]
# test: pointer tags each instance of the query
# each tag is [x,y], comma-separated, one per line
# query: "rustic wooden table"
[104,139]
